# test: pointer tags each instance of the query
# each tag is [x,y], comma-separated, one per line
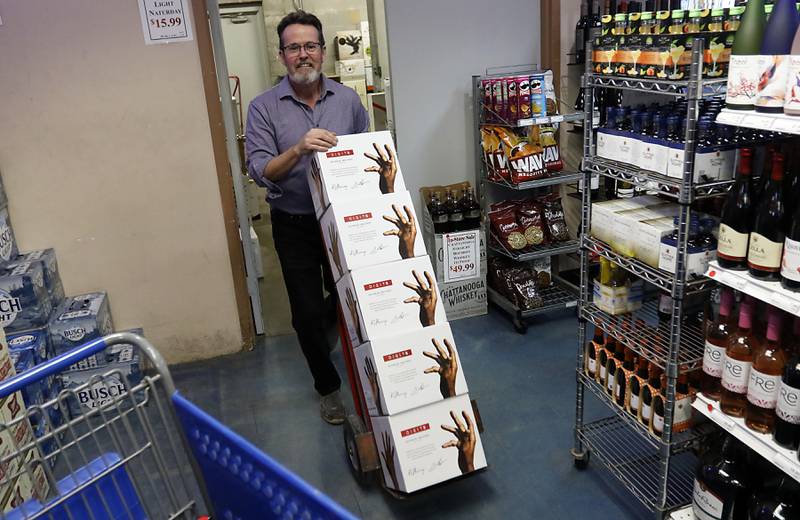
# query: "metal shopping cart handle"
[60,363]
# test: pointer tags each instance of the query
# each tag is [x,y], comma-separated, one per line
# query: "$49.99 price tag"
[461,255]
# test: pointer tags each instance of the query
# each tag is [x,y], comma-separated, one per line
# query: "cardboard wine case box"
[429,445]
[388,299]
[410,370]
[360,166]
[371,231]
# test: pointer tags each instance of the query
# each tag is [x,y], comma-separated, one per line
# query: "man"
[285,125]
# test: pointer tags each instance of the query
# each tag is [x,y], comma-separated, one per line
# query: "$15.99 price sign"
[461,255]
[165,21]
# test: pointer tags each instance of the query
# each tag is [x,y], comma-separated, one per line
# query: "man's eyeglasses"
[294,48]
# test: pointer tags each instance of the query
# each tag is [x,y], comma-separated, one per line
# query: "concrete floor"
[524,386]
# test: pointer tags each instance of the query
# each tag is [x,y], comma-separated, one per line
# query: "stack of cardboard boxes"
[424,425]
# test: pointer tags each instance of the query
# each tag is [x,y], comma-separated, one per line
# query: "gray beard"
[308,78]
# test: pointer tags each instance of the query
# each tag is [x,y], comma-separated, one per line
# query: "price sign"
[461,255]
[165,21]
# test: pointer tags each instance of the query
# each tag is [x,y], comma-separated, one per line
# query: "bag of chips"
[554,217]
[506,230]
[525,289]
[530,218]
[548,140]
[525,159]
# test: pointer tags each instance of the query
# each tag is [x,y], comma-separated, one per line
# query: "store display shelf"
[657,277]
[680,441]
[533,121]
[769,292]
[637,332]
[554,298]
[760,121]
[783,459]
[555,178]
[544,251]
[709,87]
[637,464]
[667,186]
[684,513]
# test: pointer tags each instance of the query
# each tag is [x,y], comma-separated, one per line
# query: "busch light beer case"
[78,320]
[24,300]
[36,340]
[8,243]
[114,355]
[52,279]
[92,389]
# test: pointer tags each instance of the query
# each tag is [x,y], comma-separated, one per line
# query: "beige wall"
[105,151]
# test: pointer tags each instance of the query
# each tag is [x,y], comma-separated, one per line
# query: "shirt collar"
[285,88]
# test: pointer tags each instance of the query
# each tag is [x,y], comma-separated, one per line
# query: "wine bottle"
[438,215]
[787,409]
[743,69]
[790,264]
[769,359]
[791,104]
[716,342]
[721,483]
[657,385]
[766,239]
[637,383]
[648,392]
[776,502]
[623,376]
[774,58]
[471,209]
[737,364]
[581,30]
[736,222]
[602,360]
[455,217]
[591,352]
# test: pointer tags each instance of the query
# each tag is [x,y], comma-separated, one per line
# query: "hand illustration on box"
[406,231]
[372,377]
[465,441]
[387,454]
[352,307]
[334,249]
[386,168]
[426,298]
[315,176]
[447,369]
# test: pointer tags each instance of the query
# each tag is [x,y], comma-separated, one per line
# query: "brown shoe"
[331,408]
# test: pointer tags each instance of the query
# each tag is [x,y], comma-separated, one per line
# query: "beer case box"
[120,353]
[78,320]
[24,300]
[405,370]
[652,155]
[603,214]
[34,393]
[110,382]
[616,145]
[52,278]
[623,238]
[344,173]
[377,303]
[34,469]
[18,492]
[349,44]
[464,299]
[421,444]
[355,232]
[8,242]
[647,239]
[36,340]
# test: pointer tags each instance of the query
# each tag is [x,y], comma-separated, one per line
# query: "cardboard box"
[604,214]
[349,44]
[618,300]
[410,370]
[88,394]
[8,242]
[17,493]
[372,231]
[429,445]
[118,354]
[35,340]
[34,469]
[710,163]
[24,300]
[350,68]
[464,299]
[388,299]
[653,155]
[623,238]
[360,166]
[49,263]
[440,240]
[78,320]
[647,239]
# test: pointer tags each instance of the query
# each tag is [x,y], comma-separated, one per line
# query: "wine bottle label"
[713,360]
[602,372]
[610,385]
[735,375]
[790,267]
[764,254]
[634,402]
[731,245]
[617,390]
[792,94]
[762,389]
[658,423]
[682,414]
[773,74]
[788,405]
[592,366]
[705,504]
[646,411]
[742,79]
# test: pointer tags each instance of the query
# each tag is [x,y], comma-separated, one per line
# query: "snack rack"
[657,471]
[561,294]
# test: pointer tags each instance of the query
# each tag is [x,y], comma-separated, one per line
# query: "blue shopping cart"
[136,450]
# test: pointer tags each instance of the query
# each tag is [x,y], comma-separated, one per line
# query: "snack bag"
[506,230]
[525,159]
[493,156]
[554,216]
[531,219]
[548,140]
[538,98]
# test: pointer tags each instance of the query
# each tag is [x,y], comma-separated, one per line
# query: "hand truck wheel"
[520,326]
[361,451]
[581,460]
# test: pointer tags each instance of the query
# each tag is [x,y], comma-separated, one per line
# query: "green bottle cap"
[634,16]
[620,17]
[736,11]
[768,8]
[695,13]
[662,15]
[647,15]
[718,12]
[677,13]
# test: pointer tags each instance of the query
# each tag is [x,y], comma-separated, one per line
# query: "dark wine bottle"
[581,33]
[455,216]
[734,228]
[438,215]
[659,391]
[790,264]
[471,209]
[766,239]
[787,409]
[648,392]
[721,483]
[776,502]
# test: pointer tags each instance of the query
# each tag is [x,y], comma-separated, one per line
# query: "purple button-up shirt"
[277,119]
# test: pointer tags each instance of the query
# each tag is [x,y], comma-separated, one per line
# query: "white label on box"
[696,262]
[410,370]
[461,255]
[653,157]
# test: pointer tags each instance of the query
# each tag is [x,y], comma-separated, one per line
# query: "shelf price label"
[461,255]
[787,466]
[786,303]
[787,126]
[165,21]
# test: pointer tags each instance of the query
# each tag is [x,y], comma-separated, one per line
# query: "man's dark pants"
[304,263]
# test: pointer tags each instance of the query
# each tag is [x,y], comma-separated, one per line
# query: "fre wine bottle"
[737,364]
[737,216]
[716,343]
[769,359]
[766,239]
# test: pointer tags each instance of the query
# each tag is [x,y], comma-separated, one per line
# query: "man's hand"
[387,454]
[406,231]
[334,249]
[372,377]
[465,441]
[387,168]
[315,140]
[426,298]
[447,369]
[353,308]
